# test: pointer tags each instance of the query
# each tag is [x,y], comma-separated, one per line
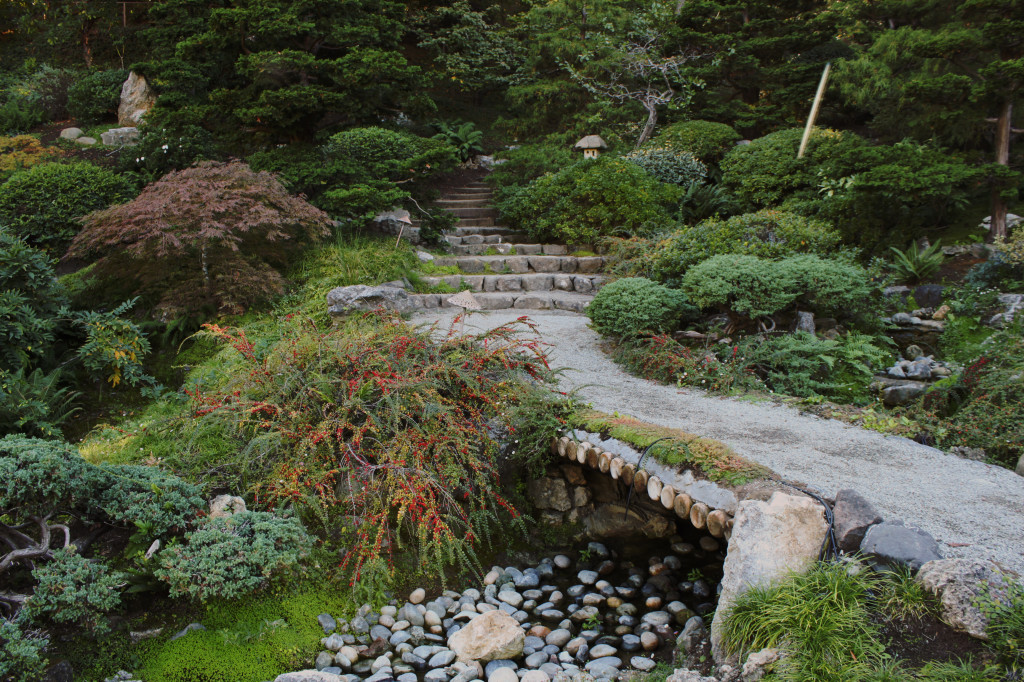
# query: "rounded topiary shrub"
[669,165]
[632,306]
[707,140]
[589,200]
[43,204]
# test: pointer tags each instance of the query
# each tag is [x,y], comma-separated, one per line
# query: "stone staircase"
[502,267]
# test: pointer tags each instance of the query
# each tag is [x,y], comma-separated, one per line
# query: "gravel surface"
[971,508]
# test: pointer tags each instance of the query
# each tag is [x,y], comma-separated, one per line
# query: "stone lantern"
[591,146]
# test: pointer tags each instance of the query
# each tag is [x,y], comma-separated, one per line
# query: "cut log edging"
[706,505]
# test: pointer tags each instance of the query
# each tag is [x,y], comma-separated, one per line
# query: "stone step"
[506,248]
[468,195]
[473,211]
[461,230]
[462,203]
[581,284]
[517,264]
[550,300]
[466,222]
[477,183]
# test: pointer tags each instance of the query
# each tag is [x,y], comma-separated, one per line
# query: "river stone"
[959,584]
[503,675]
[85,141]
[511,598]
[494,665]
[769,541]
[562,561]
[643,664]
[605,662]
[417,595]
[602,651]
[408,677]
[441,659]
[71,133]
[412,614]
[583,614]
[324,659]
[587,577]
[489,636]
[558,637]
[380,632]
[438,675]
[536,659]
[527,579]
[893,543]
[535,676]
[650,641]
[656,618]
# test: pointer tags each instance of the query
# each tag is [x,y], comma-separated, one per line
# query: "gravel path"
[971,508]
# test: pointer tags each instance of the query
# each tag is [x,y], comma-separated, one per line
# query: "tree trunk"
[998,225]
[652,120]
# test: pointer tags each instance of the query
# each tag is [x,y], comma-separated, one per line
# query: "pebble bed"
[599,615]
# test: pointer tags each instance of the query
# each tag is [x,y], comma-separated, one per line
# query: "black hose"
[639,467]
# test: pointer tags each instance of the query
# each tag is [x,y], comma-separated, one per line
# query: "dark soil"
[955,268]
[920,640]
[49,134]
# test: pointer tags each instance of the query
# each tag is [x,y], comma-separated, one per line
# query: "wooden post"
[814,110]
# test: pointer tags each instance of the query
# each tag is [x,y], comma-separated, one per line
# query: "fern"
[914,264]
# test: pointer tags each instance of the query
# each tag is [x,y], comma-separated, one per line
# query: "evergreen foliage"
[632,306]
[95,98]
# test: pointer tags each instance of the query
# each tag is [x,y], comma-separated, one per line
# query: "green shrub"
[22,151]
[21,651]
[96,97]
[1005,628]
[804,365]
[73,589]
[30,299]
[662,358]
[699,202]
[35,403]
[634,306]
[232,556]
[706,140]
[768,233]
[529,162]
[981,407]
[464,137]
[588,200]
[668,165]
[767,171]
[18,115]
[43,204]
[374,160]
[755,287]
[161,150]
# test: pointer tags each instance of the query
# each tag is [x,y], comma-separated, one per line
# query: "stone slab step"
[469,230]
[462,203]
[518,264]
[582,284]
[551,300]
[467,195]
[473,212]
[480,248]
[466,222]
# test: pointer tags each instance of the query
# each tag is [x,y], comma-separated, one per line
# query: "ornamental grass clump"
[377,434]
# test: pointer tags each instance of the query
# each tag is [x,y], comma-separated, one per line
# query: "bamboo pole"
[814,110]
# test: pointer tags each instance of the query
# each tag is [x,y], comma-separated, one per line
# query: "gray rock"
[359,625]
[497,664]
[902,393]
[1020,466]
[643,664]
[657,618]
[804,322]
[412,614]
[85,141]
[137,98]
[359,297]
[959,584]
[408,677]
[758,664]
[400,637]
[605,662]
[528,579]
[503,675]
[558,637]
[562,561]
[324,659]
[902,319]
[612,520]
[919,370]
[437,675]
[929,295]
[308,676]
[71,133]
[380,632]
[120,137]
[536,660]
[327,622]
[892,543]
[191,627]
[693,632]
[913,352]
[853,516]
[490,636]
[588,577]
[333,642]
[602,651]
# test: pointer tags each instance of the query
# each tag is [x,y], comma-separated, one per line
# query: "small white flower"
[164,147]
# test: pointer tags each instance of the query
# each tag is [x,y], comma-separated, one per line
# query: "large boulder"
[853,516]
[959,584]
[491,636]
[359,297]
[769,541]
[893,543]
[137,98]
